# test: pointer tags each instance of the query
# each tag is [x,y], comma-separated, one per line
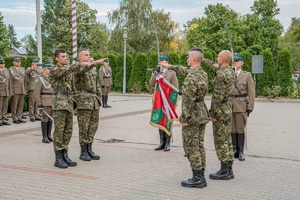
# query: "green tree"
[140,19]
[248,62]
[269,28]
[284,72]
[4,41]
[137,80]
[30,45]
[210,74]
[13,36]
[119,71]
[57,27]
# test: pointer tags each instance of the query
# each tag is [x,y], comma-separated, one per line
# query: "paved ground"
[130,169]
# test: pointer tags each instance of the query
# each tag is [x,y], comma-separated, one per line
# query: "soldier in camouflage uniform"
[61,80]
[194,115]
[43,94]
[220,113]
[105,74]
[88,95]
[32,74]
[4,92]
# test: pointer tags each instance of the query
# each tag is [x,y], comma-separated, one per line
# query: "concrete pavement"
[129,167]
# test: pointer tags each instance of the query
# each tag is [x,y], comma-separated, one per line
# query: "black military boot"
[234,145]
[67,160]
[197,181]
[59,161]
[106,99]
[44,132]
[91,153]
[241,142]
[49,129]
[84,153]
[162,140]
[230,170]
[203,176]
[104,102]
[222,174]
[167,140]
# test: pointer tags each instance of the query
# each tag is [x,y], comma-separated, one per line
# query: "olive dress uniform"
[4,93]
[105,74]
[31,76]
[43,94]
[170,76]
[17,87]
[243,98]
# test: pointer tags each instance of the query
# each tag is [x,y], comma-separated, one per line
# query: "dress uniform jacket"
[169,75]
[17,80]
[105,74]
[43,91]
[4,82]
[31,75]
[243,89]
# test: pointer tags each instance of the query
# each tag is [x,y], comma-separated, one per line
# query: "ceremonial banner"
[164,105]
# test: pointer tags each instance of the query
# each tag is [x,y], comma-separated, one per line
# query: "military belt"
[46,93]
[240,95]
[87,91]
[197,100]
[62,93]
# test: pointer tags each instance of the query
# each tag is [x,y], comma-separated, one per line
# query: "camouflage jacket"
[223,86]
[61,79]
[88,91]
[194,110]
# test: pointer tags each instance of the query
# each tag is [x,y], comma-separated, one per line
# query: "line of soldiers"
[16,82]
[232,101]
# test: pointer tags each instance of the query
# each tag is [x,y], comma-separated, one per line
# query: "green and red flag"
[164,106]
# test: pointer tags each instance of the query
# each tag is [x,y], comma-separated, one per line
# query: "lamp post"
[124,70]
[39,30]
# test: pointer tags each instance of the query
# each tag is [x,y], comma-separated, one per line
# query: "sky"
[22,13]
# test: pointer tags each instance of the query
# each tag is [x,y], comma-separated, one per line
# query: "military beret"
[164,56]
[2,60]
[239,56]
[35,60]
[106,60]
[77,59]
[48,61]
[17,59]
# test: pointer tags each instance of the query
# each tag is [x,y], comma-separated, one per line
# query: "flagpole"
[74,29]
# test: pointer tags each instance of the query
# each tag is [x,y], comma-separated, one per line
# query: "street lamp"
[124,70]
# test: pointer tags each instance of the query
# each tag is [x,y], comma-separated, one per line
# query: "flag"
[164,105]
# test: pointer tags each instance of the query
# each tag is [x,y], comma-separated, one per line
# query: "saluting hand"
[164,64]
[184,124]
[101,61]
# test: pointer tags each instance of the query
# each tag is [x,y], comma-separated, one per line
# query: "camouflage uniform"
[61,80]
[221,110]
[88,95]
[194,113]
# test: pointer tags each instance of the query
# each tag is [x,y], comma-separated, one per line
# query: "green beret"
[35,60]
[47,65]
[77,59]
[239,56]
[48,60]
[106,60]
[164,57]
[2,60]
[17,59]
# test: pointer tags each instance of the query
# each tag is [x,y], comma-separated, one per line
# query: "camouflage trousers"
[63,127]
[88,121]
[47,109]
[193,145]
[222,140]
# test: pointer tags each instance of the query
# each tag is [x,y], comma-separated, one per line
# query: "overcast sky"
[22,13]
